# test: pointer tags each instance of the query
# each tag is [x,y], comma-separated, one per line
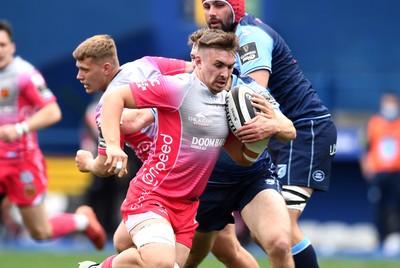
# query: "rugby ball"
[238,107]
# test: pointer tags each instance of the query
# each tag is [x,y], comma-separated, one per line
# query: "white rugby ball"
[238,107]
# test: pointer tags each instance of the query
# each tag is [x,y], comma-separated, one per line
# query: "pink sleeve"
[169,66]
[165,92]
[35,89]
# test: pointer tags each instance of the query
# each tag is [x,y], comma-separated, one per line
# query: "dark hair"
[6,26]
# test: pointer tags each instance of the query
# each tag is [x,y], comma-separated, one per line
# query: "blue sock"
[304,255]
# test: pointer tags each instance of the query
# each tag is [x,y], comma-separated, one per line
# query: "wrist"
[22,128]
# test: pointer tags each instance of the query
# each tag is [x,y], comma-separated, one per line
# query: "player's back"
[263,48]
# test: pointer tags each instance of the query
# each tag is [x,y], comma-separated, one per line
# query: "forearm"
[110,120]
[240,154]
[286,130]
[133,120]
[45,117]
[98,167]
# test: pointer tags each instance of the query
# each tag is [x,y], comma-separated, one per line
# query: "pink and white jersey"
[138,70]
[23,90]
[192,128]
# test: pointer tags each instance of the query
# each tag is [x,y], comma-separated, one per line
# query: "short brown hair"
[195,36]
[215,38]
[98,47]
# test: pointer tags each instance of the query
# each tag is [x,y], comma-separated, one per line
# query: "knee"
[225,255]
[279,246]
[39,233]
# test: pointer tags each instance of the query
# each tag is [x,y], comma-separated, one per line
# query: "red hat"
[238,7]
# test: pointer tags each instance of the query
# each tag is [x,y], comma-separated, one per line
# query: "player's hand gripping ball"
[238,107]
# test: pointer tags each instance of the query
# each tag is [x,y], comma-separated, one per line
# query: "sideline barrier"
[64,176]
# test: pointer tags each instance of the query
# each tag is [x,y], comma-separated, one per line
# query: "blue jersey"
[227,171]
[261,47]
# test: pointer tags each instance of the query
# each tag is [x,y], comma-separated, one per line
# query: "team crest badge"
[282,168]
[4,93]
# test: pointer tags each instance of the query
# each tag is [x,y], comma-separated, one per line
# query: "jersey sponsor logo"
[45,92]
[248,52]
[150,176]
[144,147]
[270,181]
[145,84]
[246,32]
[200,120]
[204,143]
[332,149]
[318,175]
[142,198]
[26,177]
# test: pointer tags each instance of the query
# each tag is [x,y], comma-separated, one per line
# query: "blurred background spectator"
[380,165]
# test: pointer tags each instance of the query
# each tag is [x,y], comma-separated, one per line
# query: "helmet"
[238,7]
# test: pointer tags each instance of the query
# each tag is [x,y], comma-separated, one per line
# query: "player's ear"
[107,68]
[197,61]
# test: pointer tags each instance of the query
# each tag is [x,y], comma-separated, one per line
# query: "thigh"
[35,218]
[266,216]
[122,240]
[182,254]
[155,241]
[226,239]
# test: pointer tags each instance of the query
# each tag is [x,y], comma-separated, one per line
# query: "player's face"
[7,49]
[218,15]
[91,75]
[216,68]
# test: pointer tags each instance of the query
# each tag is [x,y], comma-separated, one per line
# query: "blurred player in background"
[380,165]
[99,71]
[304,164]
[253,191]
[27,105]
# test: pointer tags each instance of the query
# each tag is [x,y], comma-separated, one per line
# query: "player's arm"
[133,120]
[270,122]
[86,163]
[261,77]
[113,104]
[45,117]
[239,152]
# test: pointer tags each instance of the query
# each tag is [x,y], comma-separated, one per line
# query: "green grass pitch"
[39,259]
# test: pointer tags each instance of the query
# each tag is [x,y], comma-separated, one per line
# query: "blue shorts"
[219,201]
[306,161]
